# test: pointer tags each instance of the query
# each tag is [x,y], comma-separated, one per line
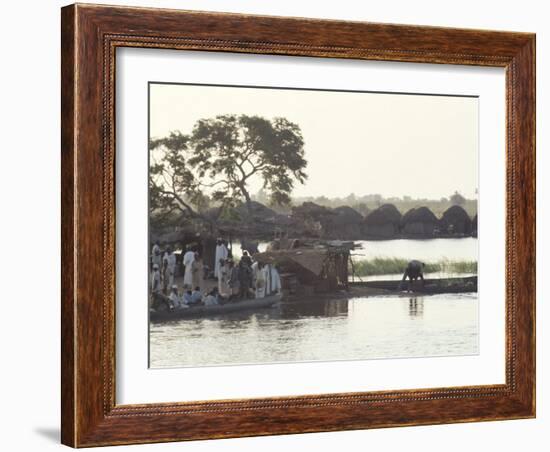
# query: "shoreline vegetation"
[392,266]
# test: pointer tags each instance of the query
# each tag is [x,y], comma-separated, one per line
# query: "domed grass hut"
[474,226]
[419,222]
[455,220]
[312,220]
[382,223]
[346,224]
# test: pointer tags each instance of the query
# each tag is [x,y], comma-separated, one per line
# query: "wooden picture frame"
[90,36]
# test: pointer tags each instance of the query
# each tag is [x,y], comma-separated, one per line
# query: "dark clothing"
[247,260]
[245,280]
[414,270]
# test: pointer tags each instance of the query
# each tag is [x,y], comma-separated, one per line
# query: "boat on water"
[213,310]
[430,286]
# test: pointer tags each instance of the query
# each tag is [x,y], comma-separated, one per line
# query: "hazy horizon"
[394,145]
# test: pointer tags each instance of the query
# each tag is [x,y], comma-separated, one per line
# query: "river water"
[429,250]
[359,328]
[337,329]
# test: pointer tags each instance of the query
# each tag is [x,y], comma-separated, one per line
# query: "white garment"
[156,286]
[156,255]
[223,277]
[175,299]
[221,253]
[188,259]
[273,280]
[170,259]
[210,300]
[259,277]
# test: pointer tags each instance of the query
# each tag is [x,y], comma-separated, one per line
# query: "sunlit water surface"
[359,328]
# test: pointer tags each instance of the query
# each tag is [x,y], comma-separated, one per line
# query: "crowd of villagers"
[236,281]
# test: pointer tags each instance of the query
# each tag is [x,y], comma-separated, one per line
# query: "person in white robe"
[272,280]
[197,268]
[155,280]
[174,297]
[169,268]
[221,255]
[223,278]
[259,279]
[188,259]
[156,254]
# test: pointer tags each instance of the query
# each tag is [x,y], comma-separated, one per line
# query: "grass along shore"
[390,266]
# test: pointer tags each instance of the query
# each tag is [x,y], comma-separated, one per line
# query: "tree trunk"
[248,201]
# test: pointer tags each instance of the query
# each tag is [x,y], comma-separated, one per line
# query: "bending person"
[414,270]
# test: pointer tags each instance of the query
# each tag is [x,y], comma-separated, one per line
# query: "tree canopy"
[217,161]
[457,199]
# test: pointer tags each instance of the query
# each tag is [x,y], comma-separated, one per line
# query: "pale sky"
[363,143]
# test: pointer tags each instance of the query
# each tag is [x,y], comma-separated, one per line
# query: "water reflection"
[416,307]
[323,330]
[319,308]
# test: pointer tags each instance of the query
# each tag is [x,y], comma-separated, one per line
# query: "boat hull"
[430,286]
[214,310]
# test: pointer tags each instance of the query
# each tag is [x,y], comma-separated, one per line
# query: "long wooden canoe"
[213,310]
[430,286]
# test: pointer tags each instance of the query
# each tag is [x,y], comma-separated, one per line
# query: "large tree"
[220,157]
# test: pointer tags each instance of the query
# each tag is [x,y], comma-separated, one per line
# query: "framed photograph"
[281,225]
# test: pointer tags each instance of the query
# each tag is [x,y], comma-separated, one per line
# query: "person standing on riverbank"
[259,279]
[156,254]
[245,279]
[221,255]
[156,286]
[233,279]
[224,273]
[197,270]
[188,259]
[168,269]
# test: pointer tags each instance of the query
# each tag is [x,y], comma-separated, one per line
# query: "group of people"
[245,279]
[192,298]
[236,281]
[164,269]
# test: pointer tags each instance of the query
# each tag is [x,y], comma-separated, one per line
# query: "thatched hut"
[255,221]
[383,222]
[312,220]
[346,224]
[474,226]
[455,220]
[257,211]
[419,222]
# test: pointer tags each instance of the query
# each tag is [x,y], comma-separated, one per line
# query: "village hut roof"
[347,215]
[455,214]
[312,210]
[258,210]
[419,215]
[386,213]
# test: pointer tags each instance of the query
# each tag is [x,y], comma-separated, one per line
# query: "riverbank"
[394,265]
[390,289]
